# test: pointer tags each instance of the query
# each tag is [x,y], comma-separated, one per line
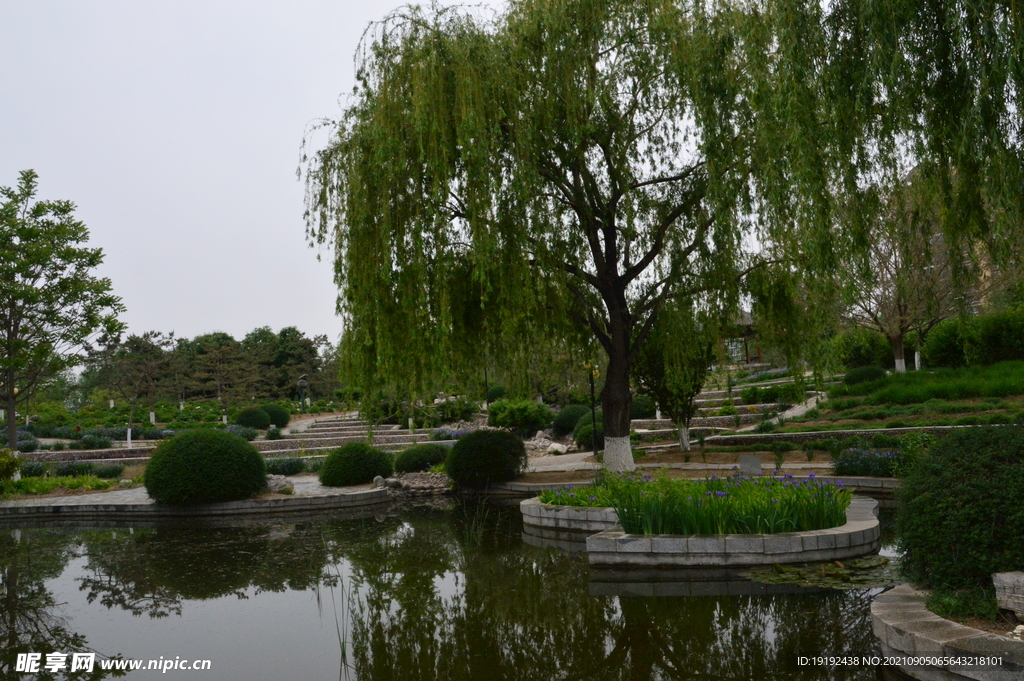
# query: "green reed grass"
[732,505]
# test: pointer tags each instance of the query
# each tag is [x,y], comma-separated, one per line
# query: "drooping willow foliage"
[557,173]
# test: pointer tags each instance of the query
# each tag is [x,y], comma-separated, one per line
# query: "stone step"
[313,442]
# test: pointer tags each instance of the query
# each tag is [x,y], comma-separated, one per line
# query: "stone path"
[304,486]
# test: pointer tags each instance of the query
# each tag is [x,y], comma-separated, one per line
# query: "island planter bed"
[858,537]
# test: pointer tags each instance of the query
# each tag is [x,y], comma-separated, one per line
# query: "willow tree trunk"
[617,401]
[898,353]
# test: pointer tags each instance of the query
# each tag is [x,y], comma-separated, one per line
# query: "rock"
[378,482]
[555,448]
[279,484]
[750,464]
[541,435]
[1010,591]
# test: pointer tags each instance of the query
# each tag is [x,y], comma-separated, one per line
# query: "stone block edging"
[859,536]
[907,629]
[574,518]
[154,511]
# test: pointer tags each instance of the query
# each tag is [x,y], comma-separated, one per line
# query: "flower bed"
[732,505]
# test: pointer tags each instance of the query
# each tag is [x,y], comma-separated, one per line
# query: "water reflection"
[439,594]
[30,614]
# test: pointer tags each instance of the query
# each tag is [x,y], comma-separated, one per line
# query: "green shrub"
[959,512]
[67,469]
[727,410]
[242,431]
[285,466]
[584,437]
[355,463]
[785,393]
[587,420]
[10,463]
[274,434]
[863,347]
[873,464]
[111,471]
[33,469]
[565,420]
[863,375]
[26,446]
[485,456]
[278,415]
[643,407]
[420,457]
[495,393]
[204,465]
[253,417]
[523,417]
[457,409]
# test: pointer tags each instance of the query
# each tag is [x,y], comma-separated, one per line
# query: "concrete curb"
[154,511]
[908,630]
[858,537]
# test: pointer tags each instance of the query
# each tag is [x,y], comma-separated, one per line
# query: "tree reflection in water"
[30,620]
[455,594]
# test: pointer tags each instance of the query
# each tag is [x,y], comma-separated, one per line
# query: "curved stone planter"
[907,630]
[571,518]
[858,537]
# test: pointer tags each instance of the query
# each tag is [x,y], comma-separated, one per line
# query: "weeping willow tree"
[567,168]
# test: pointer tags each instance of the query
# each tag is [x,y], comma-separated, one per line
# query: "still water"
[414,593]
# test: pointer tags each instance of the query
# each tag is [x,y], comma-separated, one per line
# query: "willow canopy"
[571,166]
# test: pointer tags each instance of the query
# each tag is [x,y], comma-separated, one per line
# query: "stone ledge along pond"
[415,592]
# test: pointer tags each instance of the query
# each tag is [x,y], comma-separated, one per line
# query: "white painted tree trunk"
[129,437]
[224,419]
[152,417]
[901,366]
[111,404]
[917,361]
[618,454]
[684,438]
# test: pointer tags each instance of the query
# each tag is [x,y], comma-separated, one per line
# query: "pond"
[422,592]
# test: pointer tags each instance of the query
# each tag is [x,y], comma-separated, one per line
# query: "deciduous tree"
[51,303]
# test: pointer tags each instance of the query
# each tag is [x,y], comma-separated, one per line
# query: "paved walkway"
[304,486]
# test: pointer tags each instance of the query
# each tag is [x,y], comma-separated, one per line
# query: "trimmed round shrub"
[355,463]
[285,466]
[863,375]
[495,393]
[420,458]
[26,445]
[485,456]
[565,420]
[585,421]
[584,437]
[279,416]
[253,417]
[109,472]
[643,407]
[523,417]
[202,466]
[274,433]
[959,513]
[33,469]
[73,468]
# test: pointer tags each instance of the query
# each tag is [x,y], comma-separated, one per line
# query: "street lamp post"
[302,392]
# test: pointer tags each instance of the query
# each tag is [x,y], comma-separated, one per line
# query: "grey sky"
[175,127]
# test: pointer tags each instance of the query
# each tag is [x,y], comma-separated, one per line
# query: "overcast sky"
[175,126]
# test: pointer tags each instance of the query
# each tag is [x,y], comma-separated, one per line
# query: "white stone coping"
[859,536]
[906,628]
[152,510]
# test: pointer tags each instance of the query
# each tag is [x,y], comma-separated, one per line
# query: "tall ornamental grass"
[733,505]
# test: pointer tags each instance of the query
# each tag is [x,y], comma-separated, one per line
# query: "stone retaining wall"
[907,629]
[152,511]
[858,537]
[768,438]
